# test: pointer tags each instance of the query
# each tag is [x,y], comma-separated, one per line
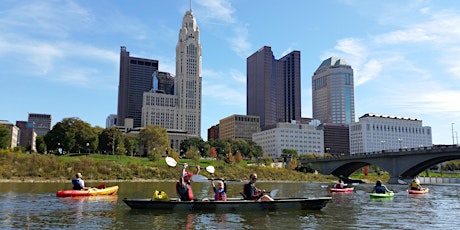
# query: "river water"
[35,206]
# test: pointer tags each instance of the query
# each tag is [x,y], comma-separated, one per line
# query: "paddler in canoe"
[183,186]
[251,192]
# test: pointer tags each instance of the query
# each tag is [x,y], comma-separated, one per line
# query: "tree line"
[75,136]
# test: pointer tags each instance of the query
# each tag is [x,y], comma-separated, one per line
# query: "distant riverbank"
[42,168]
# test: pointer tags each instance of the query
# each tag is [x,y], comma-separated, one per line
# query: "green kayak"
[382,195]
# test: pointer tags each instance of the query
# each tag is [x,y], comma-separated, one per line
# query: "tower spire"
[190,5]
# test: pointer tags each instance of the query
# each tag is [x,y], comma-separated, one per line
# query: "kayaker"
[183,186]
[380,188]
[251,192]
[340,184]
[219,190]
[415,185]
[78,183]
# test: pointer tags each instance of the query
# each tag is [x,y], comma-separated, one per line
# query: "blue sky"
[62,57]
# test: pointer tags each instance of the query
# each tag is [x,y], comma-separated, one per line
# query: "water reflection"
[35,206]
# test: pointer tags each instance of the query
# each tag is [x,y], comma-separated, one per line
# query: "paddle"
[273,192]
[171,162]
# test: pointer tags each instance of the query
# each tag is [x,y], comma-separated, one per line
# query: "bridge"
[404,164]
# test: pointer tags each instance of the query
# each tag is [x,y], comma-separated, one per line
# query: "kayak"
[232,204]
[345,190]
[423,191]
[382,195]
[90,192]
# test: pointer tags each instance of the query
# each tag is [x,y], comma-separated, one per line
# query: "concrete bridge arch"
[400,164]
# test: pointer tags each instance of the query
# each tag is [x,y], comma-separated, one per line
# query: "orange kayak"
[90,192]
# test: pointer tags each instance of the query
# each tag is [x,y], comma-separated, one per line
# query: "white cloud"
[219,10]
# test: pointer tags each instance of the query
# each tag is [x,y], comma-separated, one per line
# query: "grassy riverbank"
[97,167]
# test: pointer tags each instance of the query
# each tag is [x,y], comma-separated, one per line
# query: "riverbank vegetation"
[49,167]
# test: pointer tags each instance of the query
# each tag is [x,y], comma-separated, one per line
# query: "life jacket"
[76,184]
[338,185]
[220,195]
[380,189]
[184,195]
[414,186]
[248,189]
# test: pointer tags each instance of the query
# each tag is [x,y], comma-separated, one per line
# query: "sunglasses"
[254,178]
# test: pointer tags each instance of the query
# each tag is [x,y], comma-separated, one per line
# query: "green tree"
[109,140]
[220,146]
[196,142]
[5,137]
[155,140]
[40,144]
[131,143]
[71,135]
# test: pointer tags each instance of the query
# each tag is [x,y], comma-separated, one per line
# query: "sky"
[61,57]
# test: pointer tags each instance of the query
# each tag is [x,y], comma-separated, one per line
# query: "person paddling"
[415,185]
[78,183]
[183,186]
[380,188]
[340,184]
[251,192]
[219,191]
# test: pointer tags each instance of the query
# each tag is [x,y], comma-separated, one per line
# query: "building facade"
[14,133]
[174,103]
[27,135]
[273,87]
[375,132]
[213,132]
[304,138]
[42,122]
[333,92]
[136,77]
[336,138]
[239,127]
[111,121]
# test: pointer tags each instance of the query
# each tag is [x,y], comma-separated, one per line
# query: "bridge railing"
[434,148]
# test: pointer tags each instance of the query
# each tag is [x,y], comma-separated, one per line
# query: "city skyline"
[62,58]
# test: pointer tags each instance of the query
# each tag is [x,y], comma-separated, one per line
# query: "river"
[35,206]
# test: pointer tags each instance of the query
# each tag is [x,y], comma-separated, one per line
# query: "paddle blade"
[210,169]
[199,178]
[273,193]
[171,162]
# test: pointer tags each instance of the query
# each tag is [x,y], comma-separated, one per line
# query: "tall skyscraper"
[333,92]
[188,75]
[181,110]
[135,79]
[273,87]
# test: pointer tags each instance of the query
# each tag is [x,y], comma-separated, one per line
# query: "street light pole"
[453,141]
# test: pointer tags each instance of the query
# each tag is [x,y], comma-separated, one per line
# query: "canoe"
[342,190]
[232,204]
[423,191]
[382,195]
[90,192]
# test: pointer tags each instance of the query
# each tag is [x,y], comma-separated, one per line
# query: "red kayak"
[423,191]
[90,192]
[341,189]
